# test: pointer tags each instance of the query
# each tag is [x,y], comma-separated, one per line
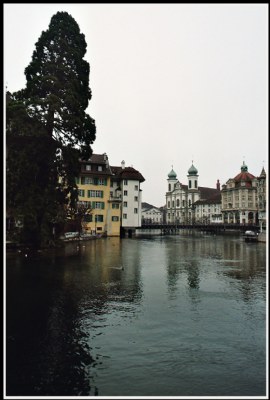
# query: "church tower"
[172,180]
[192,178]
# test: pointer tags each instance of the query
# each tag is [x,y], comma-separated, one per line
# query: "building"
[184,202]
[261,188]
[102,211]
[208,211]
[126,186]
[110,196]
[239,198]
[151,214]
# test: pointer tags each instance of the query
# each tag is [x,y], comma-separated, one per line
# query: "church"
[182,200]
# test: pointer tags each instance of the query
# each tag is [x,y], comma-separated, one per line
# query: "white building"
[182,200]
[152,215]
[209,211]
[126,185]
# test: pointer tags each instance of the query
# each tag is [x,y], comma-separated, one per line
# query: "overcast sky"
[171,83]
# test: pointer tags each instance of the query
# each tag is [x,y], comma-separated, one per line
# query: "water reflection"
[59,302]
[137,317]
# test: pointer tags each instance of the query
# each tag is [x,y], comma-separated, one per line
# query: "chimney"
[123,164]
[218,185]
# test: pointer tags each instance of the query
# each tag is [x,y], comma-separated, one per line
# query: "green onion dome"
[192,170]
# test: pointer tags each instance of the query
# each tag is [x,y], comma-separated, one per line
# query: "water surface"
[163,316]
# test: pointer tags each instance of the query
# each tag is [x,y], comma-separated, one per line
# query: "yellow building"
[102,211]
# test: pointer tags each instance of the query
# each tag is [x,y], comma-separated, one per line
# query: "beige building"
[239,198]
[102,211]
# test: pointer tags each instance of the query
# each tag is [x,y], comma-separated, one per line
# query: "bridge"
[169,229]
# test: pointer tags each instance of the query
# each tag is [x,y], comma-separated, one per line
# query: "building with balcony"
[126,187]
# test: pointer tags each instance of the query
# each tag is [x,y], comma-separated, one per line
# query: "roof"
[96,159]
[128,173]
[263,174]
[192,170]
[244,176]
[207,193]
[214,199]
[172,174]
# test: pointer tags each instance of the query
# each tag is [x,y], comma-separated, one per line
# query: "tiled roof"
[244,176]
[208,193]
[214,199]
[96,159]
[128,173]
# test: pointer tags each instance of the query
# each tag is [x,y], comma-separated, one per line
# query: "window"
[173,204]
[88,180]
[125,182]
[81,192]
[88,167]
[99,218]
[95,193]
[136,187]
[124,216]
[125,192]
[135,210]
[98,204]
[115,218]
[88,218]
[115,205]
[177,203]
[86,204]
[102,181]
[135,198]
[169,204]
[195,184]
[125,204]
[189,184]
[169,187]
[100,168]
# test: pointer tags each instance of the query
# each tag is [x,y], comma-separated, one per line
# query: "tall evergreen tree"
[51,108]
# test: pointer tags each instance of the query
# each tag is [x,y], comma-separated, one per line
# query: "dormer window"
[100,168]
[88,167]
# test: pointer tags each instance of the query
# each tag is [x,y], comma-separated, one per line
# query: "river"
[161,316]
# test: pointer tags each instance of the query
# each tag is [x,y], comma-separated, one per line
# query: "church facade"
[184,200]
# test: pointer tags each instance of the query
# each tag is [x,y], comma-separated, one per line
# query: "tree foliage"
[48,129]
